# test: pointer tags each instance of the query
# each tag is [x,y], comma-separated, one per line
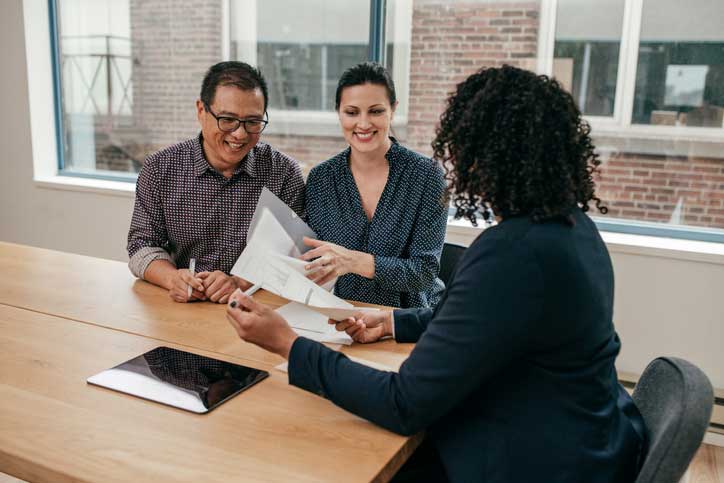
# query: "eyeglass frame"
[241,122]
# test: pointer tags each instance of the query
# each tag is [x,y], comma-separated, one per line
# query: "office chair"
[675,399]
[451,253]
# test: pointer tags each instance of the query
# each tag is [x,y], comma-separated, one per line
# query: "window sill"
[87,185]
[661,247]
[459,230]
[625,243]
[660,141]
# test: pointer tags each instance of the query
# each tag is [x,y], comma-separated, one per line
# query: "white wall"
[86,223]
[667,302]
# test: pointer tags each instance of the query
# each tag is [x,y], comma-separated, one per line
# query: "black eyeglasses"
[231,124]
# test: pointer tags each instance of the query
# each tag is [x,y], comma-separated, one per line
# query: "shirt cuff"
[140,260]
[392,316]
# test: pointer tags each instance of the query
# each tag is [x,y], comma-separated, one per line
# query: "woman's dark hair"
[232,73]
[366,73]
[515,141]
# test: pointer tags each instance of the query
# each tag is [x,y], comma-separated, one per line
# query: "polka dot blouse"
[405,235]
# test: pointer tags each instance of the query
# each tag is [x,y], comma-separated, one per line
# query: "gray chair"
[675,399]
[451,254]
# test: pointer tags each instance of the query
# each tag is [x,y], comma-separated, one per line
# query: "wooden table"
[66,317]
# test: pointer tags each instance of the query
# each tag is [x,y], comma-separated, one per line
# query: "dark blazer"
[513,374]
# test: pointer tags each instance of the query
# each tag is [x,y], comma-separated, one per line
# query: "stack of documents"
[271,260]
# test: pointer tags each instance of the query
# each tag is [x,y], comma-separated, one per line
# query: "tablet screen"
[180,379]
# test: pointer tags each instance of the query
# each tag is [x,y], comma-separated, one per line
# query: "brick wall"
[308,150]
[451,41]
[174,44]
[649,188]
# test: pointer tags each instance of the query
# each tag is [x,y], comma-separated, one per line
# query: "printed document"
[270,260]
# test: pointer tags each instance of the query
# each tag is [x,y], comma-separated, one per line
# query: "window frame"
[48,156]
[326,123]
[699,141]
[621,120]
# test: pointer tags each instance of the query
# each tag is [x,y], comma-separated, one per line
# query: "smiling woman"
[377,205]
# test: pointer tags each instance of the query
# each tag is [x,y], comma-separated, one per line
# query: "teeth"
[364,135]
[235,146]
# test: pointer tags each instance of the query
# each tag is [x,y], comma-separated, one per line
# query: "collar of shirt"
[392,155]
[201,164]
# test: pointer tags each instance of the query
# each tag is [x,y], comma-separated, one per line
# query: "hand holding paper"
[269,260]
[368,327]
[256,323]
[328,261]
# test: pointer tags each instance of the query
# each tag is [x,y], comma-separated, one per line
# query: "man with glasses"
[195,199]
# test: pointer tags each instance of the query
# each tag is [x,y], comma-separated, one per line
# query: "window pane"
[96,83]
[588,39]
[663,175]
[130,74]
[680,76]
[302,47]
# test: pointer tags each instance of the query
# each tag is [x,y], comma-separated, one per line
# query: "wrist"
[286,347]
[387,326]
[168,279]
[364,264]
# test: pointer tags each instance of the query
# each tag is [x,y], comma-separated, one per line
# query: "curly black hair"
[515,141]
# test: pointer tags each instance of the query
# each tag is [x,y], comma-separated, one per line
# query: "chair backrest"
[451,253]
[675,399]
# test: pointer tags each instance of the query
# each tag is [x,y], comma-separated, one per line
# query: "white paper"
[283,276]
[293,226]
[336,313]
[271,260]
[311,324]
[276,239]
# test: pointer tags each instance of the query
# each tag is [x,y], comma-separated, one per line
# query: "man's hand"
[260,325]
[179,282]
[367,327]
[218,286]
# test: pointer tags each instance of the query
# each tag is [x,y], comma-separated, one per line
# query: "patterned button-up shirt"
[405,234]
[186,209]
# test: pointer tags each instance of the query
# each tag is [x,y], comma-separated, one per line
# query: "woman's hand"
[368,327]
[260,325]
[334,261]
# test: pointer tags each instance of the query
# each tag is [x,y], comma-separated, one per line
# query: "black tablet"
[180,379]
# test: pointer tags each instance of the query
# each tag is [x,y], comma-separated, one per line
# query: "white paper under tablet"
[180,379]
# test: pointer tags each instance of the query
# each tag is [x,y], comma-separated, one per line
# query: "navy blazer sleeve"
[411,323]
[482,324]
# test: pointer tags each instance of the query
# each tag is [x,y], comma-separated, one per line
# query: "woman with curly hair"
[513,373]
